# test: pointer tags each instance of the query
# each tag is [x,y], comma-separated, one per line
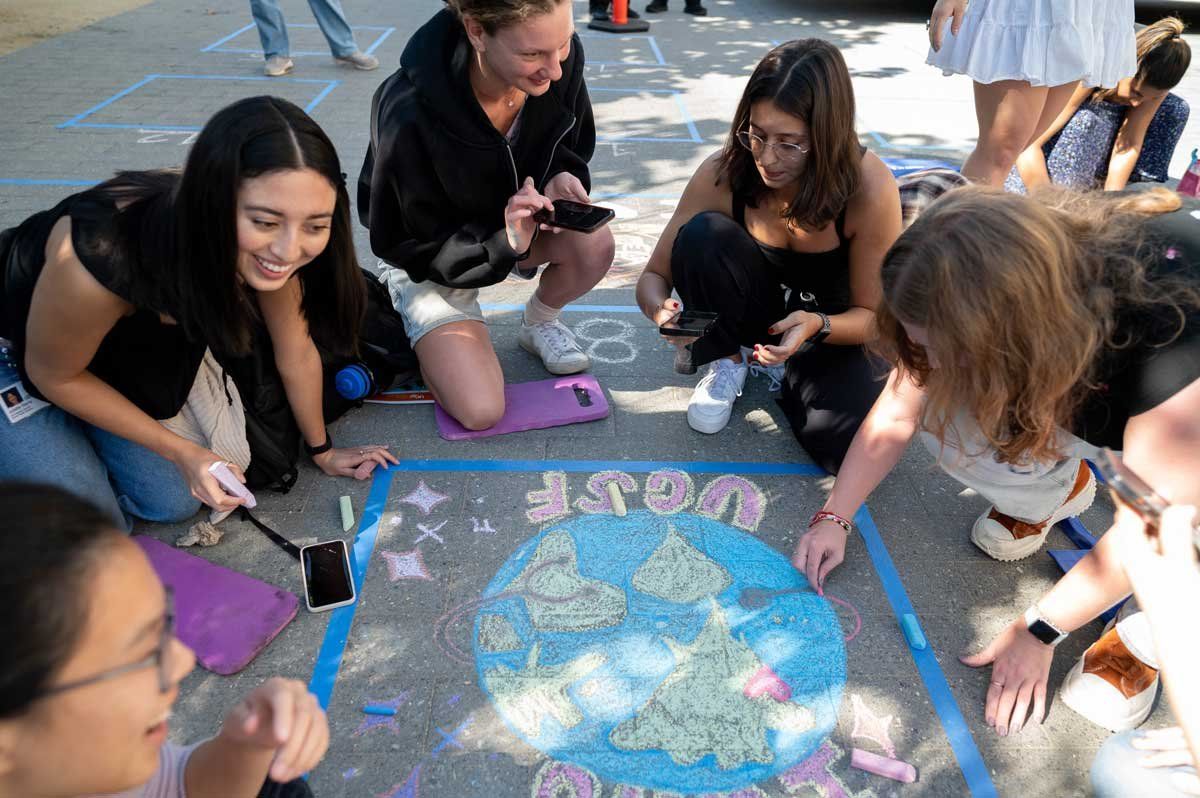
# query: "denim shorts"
[426,306]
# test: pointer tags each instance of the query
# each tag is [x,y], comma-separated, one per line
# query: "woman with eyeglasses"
[782,234]
[92,669]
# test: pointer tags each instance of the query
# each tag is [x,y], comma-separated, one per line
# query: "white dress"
[1043,42]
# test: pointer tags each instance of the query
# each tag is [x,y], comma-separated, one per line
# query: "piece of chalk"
[615,498]
[347,513]
[882,766]
[377,709]
[912,630]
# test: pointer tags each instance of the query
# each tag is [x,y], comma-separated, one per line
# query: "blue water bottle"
[354,382]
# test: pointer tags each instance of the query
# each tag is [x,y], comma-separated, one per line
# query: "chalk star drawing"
[405,565]
[482,529]
[869,726]
[409,789]
[425,498]
[660,682]
[451,738]
[528,696]
[430,532]
[349,774]
[383,721]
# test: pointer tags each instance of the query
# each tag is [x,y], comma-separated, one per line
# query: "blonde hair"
[496,14]
[1019,295]
[1163,56]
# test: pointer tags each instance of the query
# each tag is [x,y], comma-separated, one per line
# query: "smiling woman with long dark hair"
[782,234]
[110,301]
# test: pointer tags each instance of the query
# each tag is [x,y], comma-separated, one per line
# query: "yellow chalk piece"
[615,498]
[347,513]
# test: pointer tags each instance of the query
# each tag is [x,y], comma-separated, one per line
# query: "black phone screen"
[576,215]
[327,574]
[694,323]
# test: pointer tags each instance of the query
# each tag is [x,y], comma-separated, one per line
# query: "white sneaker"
[712,401]
[278,65]
[774,374]
[555,344]
[359,60]
[1112,684]
[1006,539]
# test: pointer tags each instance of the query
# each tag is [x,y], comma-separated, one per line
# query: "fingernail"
[990,721]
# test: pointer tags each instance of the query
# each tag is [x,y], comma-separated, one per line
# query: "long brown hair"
[1163,56]
[1019,295]
[806,78]
[493,15]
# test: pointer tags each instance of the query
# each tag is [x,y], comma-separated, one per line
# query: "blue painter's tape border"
[658,61]
[688,122]
[216,47]
[970,761]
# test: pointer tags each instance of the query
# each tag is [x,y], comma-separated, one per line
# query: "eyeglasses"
[785,151]
[157,659]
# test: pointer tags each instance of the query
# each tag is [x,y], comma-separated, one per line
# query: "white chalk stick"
[615,498]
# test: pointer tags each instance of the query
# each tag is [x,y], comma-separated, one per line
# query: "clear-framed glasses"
[157,659]
[784,150]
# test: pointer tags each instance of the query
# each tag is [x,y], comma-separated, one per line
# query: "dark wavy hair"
[181,230]
[50,543]
[806,78]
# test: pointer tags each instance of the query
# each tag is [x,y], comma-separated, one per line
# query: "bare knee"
[479,414]
[597,252]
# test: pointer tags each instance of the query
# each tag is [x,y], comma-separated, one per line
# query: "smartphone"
[689,323]
[577,216]
[325,568]
[1129,489]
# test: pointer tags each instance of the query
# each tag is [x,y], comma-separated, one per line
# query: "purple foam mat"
[536,405]
[225,617]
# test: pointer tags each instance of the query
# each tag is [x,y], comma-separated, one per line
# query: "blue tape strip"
[233,35]
[963,744]
[324,93]
[633,466]
[657,52]
[382,38]
[75,120]
[329,659]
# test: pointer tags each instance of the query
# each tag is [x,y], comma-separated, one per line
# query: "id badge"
[17,404]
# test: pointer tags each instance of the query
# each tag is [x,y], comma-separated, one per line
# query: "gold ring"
[362,452]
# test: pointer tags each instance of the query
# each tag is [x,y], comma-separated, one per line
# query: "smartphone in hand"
[689,323]
[578,216]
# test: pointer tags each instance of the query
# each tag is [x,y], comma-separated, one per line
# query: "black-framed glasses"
[156,659]
[784,150]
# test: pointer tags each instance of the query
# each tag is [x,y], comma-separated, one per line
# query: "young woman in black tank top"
[782,234]
[109,301]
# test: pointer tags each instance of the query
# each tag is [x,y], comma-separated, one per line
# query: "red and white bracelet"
[825,515]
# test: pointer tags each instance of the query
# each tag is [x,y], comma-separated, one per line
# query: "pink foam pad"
[225,617]
[537,405]
[882,766]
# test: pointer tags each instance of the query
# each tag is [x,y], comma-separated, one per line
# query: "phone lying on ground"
[325,568]
[577,216]
[689,323]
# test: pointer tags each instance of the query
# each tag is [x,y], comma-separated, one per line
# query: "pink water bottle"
[1189,184]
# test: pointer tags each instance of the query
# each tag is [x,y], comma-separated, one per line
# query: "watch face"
[1044,632]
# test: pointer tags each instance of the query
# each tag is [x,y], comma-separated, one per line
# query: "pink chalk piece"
[882,766]
[225,617]
[767,681]
[536,405]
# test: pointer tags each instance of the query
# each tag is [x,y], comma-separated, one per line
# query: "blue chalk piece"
[377,709]
[912,631]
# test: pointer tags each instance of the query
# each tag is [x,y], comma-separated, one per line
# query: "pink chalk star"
[381,721]
[405,565]
[409,789]
[869,726]
[425,498]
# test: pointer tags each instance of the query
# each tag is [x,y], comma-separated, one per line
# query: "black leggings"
[717,266]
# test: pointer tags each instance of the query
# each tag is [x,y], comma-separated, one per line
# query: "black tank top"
[151,363]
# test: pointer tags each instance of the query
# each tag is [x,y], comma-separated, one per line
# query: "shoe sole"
[279,74]
[1030,546]
[356,66]
[1076,699]
[707,427]
[558,371]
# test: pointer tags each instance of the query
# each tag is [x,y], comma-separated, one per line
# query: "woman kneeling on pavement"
[1024,332]
[782,234]
[486,122]
[110,302]
[92,668]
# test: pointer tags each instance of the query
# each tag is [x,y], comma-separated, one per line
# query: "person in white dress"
[1026,58]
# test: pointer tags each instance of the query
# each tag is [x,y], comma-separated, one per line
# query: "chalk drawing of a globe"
[668,652]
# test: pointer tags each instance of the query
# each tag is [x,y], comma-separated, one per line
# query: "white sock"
[537,312]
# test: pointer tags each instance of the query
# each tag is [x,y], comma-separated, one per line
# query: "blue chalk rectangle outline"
[658,61]
[693,132]
[77,121]
[329,659]
[216,47]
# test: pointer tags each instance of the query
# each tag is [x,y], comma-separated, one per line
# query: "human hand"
[1020,668]
[354,462]
[818,551]
[942,11]
[280,715]
[667,310]
[797,327]
[519,224]
[1163,572]
[1170,749]
[193,464]
[565,185]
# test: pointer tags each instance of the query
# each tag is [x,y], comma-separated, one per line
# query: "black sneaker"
[656,7]
[695,10]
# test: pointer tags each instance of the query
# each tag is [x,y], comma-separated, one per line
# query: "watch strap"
[313,451]
[823,333]
[1043,630]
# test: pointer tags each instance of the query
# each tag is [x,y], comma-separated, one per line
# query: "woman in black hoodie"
[486,122]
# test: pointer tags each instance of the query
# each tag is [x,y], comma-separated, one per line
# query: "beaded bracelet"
[825,515]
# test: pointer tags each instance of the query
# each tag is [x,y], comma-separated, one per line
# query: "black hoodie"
[438,175]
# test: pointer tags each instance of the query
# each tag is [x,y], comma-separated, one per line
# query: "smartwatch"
[823,333]
[1043,630]
[313,451]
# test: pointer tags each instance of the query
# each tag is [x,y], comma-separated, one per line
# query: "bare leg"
[578,261]
[1008,112]
[461,369]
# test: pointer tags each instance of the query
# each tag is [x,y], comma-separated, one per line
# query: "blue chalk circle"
[667,652]
[912,631]
[376,709]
